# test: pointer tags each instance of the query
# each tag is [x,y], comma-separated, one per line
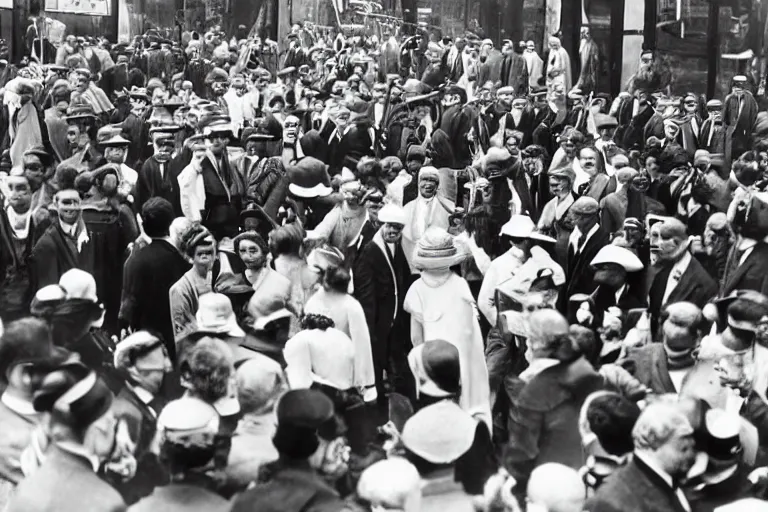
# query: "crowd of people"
[390,273]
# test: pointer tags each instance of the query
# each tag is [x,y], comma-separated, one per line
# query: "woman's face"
[251,255]
[651,165]
[204,258]
[690,104]
[558,186]
[569,147]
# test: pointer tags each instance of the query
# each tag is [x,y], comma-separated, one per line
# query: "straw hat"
[436,250]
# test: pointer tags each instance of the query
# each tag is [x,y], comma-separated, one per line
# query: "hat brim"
[78,117]
[318,190]
[437,263]
[260,323]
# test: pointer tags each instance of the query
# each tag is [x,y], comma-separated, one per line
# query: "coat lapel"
[63,247]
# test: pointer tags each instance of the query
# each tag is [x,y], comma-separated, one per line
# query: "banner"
[88,7]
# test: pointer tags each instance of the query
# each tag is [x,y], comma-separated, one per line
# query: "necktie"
[580,242]
[583,188]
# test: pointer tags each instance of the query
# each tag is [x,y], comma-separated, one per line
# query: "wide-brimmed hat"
[522,226]
[392,214]
[80,112]
[265,309]
[436,250]
[309,178]
[139,93]
[619,256]
[215,315]
[440,433]
[115,141]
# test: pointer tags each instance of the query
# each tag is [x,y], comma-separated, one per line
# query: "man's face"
[428,187]
[584,222]
[505,98]
[664,248]
[413,165]
[558,186]
[81,83]
[451,99]
[251,255]
[646,61]
[607,133]
[20,197]
[554,44]
[138,104]
[633,234]
[690,104]
[68,206]
[151,369]
[715,114]
[217,143]
[62,106]
[373,208]
[530,47]
[159,96]
[678,454]
[421,113]
[588,161]
[115,155]
[291,129]
[192,120]
[73,137]
[738,89]
[461,44]
[34,171]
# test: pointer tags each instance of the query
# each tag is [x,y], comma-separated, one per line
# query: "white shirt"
[666,477]
[573,240]
[517,203]
[70,229]
[619,292]
[678,269]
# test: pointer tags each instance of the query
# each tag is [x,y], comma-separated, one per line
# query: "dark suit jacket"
[352,146]
[750,275]
[54,254]
[654,127]
[65,483]
[695,286]
[380,289]
[634,488]
[579,274]
[544,418]
[456,123]
[151,183]
[290,489]
[147,278]
[648,364]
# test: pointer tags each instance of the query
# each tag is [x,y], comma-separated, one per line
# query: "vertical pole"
[713,47]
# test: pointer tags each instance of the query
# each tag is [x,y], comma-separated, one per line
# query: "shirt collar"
[619,292]
[144,395]
[69,229]
[682,264]
[81,452]
[18,405]
[655,468]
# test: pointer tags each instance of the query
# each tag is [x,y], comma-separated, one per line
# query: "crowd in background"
[363,273]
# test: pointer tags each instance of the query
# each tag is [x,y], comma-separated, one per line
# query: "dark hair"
[157,214]
[442,152]
[179,458]
[611,418]
[194,236]
[24,340]
[65,177]
[587,343]
[336,279]
[206,366]
[285,240]
[311,321]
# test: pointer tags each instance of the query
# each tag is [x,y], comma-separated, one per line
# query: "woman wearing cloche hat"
[442,307]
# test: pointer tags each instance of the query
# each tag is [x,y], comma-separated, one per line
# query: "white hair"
[568,493]
[392,484]
[657,424]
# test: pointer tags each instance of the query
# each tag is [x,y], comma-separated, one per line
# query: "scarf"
[19,223]
[422,216]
